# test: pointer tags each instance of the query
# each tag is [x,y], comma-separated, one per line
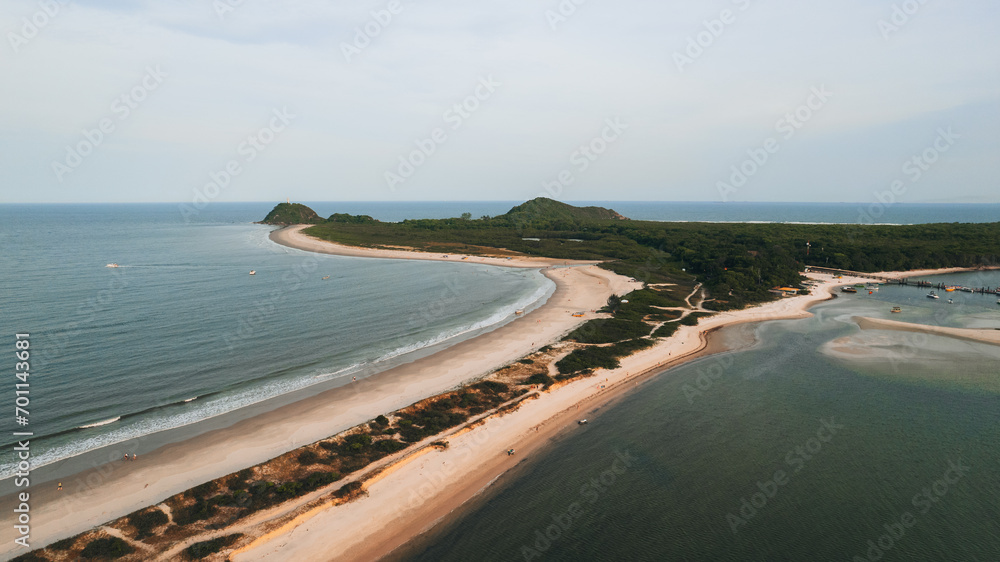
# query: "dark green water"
[858,445]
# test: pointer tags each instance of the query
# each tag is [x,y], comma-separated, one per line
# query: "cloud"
[407,63]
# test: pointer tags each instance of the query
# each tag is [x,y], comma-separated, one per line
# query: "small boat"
[860,285]
[966,289]
[112,265]
[848,290]
[253,272]
[582,422]
[519,312]
[950,289]
[325,278]
[932,295]
[896,309]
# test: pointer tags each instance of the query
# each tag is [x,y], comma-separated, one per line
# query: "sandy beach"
[115,488]
[421,490]
[412,495]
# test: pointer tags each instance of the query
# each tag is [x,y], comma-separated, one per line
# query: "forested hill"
[737,262]
[291,213]
[545,209]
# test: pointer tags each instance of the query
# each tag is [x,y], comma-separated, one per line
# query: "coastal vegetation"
[717,266]
[736,262]
[292,213]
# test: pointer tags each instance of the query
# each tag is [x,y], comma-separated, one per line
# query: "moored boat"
[848,290]
[896,309]
[932,295]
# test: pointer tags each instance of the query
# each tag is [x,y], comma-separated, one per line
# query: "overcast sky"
[721,100]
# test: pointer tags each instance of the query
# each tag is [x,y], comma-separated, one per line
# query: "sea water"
[886,450]
[181,332]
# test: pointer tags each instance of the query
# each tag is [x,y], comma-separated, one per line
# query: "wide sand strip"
[969,334]
[117,488]
[414,496]
[293,237]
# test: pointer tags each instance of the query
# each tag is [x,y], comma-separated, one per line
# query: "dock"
[909,282]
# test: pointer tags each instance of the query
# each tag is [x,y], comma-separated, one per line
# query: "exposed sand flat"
[116,488]
[926,272]
[970,334]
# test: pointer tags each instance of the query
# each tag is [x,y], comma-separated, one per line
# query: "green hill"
[292,213]
[543,208]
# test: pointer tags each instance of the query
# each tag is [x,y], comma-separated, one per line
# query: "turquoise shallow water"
[779,452]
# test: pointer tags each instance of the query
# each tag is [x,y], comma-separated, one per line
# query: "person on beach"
[133,456]
[60,487]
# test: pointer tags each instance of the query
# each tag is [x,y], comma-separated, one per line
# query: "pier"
[913,282]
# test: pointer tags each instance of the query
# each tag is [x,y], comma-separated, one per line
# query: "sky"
[579,100]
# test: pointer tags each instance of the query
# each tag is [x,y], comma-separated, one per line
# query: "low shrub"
[200,511]
[108,547]
[200,550]
[146,521]
[539,378]
[308,457]
[491,387]
[348,489]
[202,491]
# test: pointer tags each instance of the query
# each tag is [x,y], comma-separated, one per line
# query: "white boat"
[932,295]
[112,265]
[253,272]
[951,301]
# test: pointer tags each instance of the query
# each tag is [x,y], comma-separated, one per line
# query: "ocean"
[180,333]
[817,442]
